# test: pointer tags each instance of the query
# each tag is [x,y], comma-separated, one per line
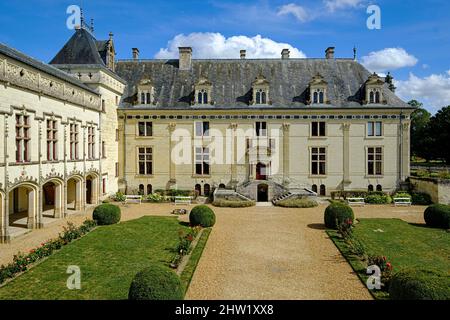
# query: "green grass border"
[191,266]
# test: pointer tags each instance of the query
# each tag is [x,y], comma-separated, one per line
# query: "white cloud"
[334,5]
[388,59]
[433,91]
[215,45]
[297,11]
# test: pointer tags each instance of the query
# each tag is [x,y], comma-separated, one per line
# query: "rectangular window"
[318,161]
[202,129]
[103,149]
[318,129]
[202,161]
[52,140]
[104,185]
[145,159]
[375,129]
[145,129]
[103,105]
[375,161]
[73,142]
[261,129]
[91,142]
[22,138]
[117,169]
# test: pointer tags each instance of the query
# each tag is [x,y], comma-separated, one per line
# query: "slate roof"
[19,56]
[82,48]
[232,83]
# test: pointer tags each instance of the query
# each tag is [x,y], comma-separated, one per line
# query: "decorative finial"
[354,53]
[111,35]
[92,25]
[81,17]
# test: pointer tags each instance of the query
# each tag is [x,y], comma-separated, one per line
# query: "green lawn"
[405,245]
[108,257]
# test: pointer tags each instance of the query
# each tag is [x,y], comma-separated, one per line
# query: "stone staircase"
[295,193]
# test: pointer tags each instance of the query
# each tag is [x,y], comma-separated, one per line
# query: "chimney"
[285,54]
[243,54]
[329,53]
[185,58]
[135,53]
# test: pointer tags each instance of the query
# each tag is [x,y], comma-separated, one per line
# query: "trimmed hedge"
[233,204]
[421,199]
[419,285]
[336,213]
[156,283]
[202,215]
[297,203]
[106,214]
[437,216]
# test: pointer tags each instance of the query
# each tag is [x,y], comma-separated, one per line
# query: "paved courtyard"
[255,253]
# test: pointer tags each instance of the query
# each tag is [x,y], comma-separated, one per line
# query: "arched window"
[148,98]
[370,188]
[314,188]
[321,97]
[315,99]
[263,98]
[377,97]
[198,189]
[323,190]
[141,189]
[149,189]
[205,97]
[207,189]
[371,99]
[379,187]
[142,98]
[221,186]
[258,97]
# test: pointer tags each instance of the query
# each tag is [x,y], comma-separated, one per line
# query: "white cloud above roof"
[209,45]
[388,59]
[297,11]
[334,5]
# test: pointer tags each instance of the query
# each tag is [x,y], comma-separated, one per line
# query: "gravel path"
[272,253]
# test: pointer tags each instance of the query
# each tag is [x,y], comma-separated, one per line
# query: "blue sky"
[413,43]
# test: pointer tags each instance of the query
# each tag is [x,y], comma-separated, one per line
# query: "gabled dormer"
[374,90]
[145,92]
[203,91]
[318,90]
[260,88]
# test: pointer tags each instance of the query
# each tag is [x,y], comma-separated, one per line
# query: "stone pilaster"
[233,127]
[405,156]
[172,165]
[346,153]
[286,127]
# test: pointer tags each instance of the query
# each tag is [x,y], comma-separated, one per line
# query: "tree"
[439,129]
[421,140]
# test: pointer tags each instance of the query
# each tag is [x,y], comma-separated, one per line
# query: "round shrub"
[106,214]
[336,213]
[437,216]
[419,285]
[155,283]
[202,216]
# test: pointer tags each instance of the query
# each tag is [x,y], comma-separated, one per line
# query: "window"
[202,97]
[314,188]
[318,96]
[103,149]
[22,138]
[91,142]
[145,129]
[202,129]
[145,157]
[318,129]
[52,140]
[374,96]
[261,97]
[201,161]
[149,189]
[375,161]
[207,190]
[379,188]
[141,190]
[261,129]
[104,185]
[117,169]
[318,161]
[323,190]
[146,98]
[103,105]
[73,141]
[375,129]
[370,188]
[198,189]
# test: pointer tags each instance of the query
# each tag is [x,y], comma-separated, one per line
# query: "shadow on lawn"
[317,226]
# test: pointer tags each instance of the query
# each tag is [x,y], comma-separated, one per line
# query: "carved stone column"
[346,153]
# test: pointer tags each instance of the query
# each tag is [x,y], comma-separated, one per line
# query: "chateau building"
[86,125]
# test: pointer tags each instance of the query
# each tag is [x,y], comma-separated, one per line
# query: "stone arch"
[53,198]
[23,209]
[92,187]
[74,192]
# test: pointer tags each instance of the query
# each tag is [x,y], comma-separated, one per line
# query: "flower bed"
[21,261]
[184,245]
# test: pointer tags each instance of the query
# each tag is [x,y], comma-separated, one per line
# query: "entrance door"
[88,191]
[261,171]
[263,193]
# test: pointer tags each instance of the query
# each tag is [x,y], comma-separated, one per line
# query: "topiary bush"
[337,213]
[156,283]
[202,216]
[437,216]
[419,285]
[106,214]
[377,198]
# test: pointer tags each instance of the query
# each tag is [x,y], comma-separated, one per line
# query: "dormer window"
[374,90]
[318,90]
[145,92]
[260,90]
[203,91]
